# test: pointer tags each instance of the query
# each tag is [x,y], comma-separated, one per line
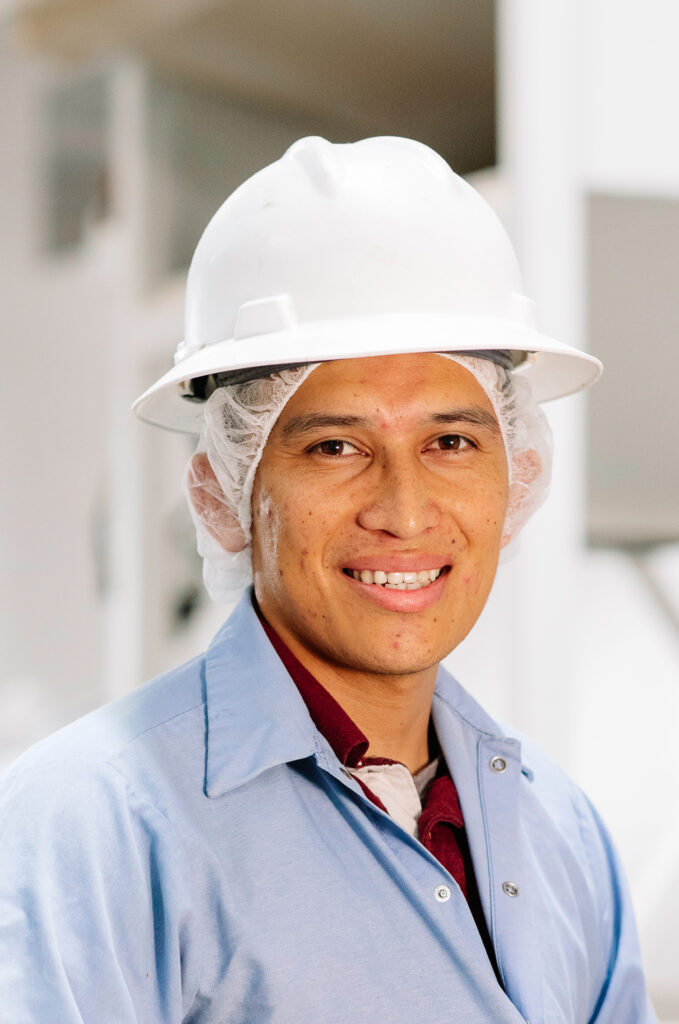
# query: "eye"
[452,443]
[335,448]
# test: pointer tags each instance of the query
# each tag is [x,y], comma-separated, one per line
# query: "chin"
[396,658]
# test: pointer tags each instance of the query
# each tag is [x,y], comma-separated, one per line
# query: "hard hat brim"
[553,368]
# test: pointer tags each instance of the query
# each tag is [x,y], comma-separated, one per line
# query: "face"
[377,512]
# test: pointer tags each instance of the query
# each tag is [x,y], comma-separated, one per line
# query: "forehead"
[414,383]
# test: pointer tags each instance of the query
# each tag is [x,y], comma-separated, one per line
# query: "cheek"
[482,512]
[284,532]
[497,496]
[266,529]
[497,512]
[481,521]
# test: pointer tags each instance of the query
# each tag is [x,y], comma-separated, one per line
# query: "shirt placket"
[441,900]
[511,891]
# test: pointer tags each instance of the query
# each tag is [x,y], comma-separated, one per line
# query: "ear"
[209,502]
[527,467]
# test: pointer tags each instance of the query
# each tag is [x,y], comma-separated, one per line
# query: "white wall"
[631,77]
[55,345]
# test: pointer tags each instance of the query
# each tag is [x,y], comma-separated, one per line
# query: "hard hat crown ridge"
[371,237]
[322,162]
[344,250]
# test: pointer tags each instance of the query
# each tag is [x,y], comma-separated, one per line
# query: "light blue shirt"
[195,852]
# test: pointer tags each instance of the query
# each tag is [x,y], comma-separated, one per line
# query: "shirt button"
[510,888]
[442,893]
[498,764]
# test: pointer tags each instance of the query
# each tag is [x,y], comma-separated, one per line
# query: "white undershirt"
[400,792]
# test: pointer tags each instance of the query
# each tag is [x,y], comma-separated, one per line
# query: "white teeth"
[396,580]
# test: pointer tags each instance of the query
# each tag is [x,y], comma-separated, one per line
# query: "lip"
[399,563]
[406,601]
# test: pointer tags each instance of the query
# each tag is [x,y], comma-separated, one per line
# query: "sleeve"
[622,998]
[89,930]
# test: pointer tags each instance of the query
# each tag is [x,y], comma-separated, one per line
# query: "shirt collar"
[442,805]
[256,717]
[346,739]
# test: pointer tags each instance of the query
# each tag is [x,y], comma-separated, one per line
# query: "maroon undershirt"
[441,827]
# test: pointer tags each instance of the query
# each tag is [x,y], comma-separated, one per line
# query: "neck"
[392,711]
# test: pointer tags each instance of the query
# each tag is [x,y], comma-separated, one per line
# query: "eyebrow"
[473,414]
[469,414]
[314,420]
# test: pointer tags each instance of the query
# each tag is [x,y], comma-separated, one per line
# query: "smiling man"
[313,822]
[379,470]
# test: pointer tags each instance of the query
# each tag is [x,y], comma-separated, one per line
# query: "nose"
[398,501]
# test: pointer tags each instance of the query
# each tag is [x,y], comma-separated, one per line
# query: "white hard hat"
[337,251]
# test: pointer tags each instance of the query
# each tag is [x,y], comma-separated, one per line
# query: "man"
[313,821]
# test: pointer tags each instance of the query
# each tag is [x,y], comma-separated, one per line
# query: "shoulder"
[103,735]
[98,870]
[127,753]
[554,788]
[115,788]
[555,811]
[569,840]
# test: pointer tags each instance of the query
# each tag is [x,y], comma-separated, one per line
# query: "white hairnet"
[237,423]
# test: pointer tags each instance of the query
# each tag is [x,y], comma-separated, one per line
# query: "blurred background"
[124,125]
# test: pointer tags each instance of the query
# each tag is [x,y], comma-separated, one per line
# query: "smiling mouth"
[397,580]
